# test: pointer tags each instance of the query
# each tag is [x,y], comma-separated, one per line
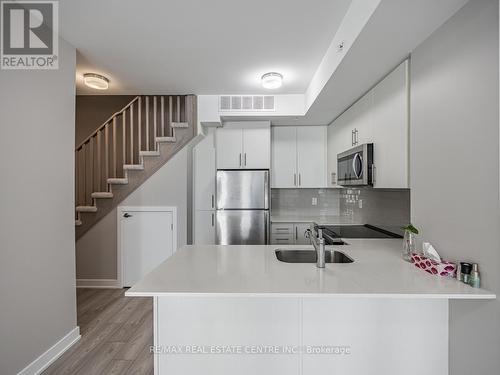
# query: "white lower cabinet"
[204,227]
[289,234]
[300,236]
[276,334]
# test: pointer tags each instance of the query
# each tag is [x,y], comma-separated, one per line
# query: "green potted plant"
[409,241]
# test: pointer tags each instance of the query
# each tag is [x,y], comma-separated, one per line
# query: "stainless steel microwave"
[355,166]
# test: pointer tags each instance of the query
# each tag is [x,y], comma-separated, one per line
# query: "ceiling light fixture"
[272,80]
[96,81]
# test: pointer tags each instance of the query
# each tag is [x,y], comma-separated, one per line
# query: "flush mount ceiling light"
[272,80]
[96,81]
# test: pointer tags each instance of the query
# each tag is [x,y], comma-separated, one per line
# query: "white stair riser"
[133,167]
[86,209]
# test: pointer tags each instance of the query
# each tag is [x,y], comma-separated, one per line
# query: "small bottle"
[465,271]
[459,271]
[475,279]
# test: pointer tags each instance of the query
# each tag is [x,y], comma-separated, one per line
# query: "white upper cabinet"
[363,120]
[229,151]
[242,147]
[379,117]
[299,157]
[284,157]
[204,173]
[390,140]
[256,148]
[311,156]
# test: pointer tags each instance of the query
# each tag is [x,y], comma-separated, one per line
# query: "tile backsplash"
[389,208]
[292,202]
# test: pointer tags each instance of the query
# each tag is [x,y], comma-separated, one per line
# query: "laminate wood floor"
[117,332]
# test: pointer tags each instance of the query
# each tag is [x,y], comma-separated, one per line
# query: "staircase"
[126,150]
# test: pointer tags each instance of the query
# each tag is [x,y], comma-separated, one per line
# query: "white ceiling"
[199,46]
[394,30]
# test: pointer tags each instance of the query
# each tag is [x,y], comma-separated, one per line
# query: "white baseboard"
[46,359]
[98,283]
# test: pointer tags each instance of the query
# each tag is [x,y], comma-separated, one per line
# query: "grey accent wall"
[96,250]
[93,110]
[455,168]
[37,235]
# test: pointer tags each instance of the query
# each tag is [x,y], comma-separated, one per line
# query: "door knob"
[126,214]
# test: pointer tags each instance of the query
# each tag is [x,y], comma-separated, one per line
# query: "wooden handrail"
[107,122]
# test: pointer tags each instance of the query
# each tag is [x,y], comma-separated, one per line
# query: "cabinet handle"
[213,219]
[282,229]
[240,159]
[213,201]
[295,179]
[374,174]
[245,163]
[299,180]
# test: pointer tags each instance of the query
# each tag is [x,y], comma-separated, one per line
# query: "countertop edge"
[486,296]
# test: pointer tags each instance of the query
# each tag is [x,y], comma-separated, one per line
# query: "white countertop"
[321,220]
[378,271]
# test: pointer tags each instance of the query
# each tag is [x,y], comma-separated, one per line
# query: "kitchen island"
[237,309]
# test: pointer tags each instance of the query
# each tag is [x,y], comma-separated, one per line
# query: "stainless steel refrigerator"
[242,207]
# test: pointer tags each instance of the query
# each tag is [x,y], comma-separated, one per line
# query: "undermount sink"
[310,256]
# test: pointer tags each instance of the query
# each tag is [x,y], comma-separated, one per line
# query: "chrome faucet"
[316,237]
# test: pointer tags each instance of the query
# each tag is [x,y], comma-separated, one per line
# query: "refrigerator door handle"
[266,190]
[266,228]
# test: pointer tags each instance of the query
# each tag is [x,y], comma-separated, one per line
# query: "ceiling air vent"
[246,103]
[269,102]
[236,103]
[225,103]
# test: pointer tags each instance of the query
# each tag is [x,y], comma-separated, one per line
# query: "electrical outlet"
[314,201]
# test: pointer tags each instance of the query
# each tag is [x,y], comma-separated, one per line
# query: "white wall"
[37,235]
[96,250]
[455,168]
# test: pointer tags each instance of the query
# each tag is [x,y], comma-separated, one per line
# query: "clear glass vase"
[408,245]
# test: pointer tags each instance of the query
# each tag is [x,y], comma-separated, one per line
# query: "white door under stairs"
[147,237]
